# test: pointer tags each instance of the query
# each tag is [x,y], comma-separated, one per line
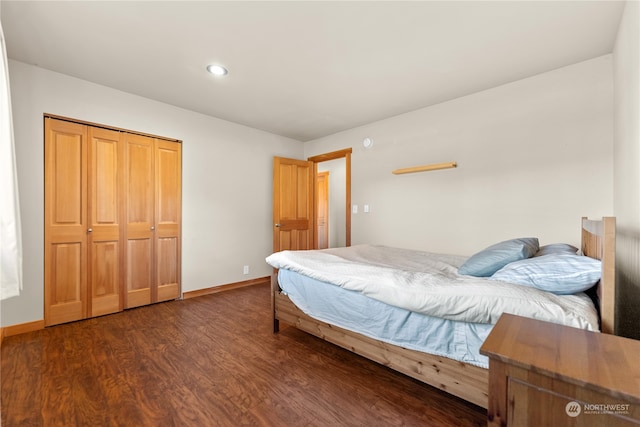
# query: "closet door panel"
[140,180]
[65,296]
[139,214]
[104,218]
[139,279]
[105,278]
[168,217]
[65,180]
[66,231]
[68,183]
[168,160]
[167,269]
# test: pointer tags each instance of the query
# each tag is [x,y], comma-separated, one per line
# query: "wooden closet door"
[104,247]
[140,226]
[65,259]
[168,212]
[112,220]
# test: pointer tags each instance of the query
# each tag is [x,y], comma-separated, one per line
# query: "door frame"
[339,154]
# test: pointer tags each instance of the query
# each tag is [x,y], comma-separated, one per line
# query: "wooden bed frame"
[466,381]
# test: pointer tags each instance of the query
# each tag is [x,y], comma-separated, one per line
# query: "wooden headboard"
[599,241]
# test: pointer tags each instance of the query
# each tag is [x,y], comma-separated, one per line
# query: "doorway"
[337,167]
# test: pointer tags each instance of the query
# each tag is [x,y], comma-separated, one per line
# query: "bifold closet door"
[82,232]
[104,245]
[153,212]
[112,220]
[139,213]
[65,251]
[168,218]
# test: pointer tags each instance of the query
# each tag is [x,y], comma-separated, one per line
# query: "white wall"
[627,170]
[533,157]
[227,174]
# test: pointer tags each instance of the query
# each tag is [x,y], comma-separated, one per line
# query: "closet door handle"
[89,230]
[152,228]
[278,225]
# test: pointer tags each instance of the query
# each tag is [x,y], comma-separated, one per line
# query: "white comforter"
[430,284]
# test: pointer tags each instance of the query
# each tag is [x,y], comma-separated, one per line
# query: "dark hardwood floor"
[207,361]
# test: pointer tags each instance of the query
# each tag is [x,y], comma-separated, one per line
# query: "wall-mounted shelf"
[425,168]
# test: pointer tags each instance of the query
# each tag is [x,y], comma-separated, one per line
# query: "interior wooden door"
[292,204]
[65,254]
[138,209]
[322,209]
[167,214]
[104,246]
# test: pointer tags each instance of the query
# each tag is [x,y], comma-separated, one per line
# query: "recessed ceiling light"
[217,70]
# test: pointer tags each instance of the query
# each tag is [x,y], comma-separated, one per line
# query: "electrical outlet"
[245,269]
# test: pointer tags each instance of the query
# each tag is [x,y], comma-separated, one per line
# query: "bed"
[371,300]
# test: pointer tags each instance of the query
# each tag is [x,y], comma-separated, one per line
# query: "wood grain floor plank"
[207,361]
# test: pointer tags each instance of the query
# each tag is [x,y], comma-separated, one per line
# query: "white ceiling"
[307,69]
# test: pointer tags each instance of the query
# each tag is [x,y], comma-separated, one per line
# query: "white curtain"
[10,235]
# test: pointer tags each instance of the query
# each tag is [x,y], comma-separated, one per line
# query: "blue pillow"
[493,258]
[555,248]
[560,273]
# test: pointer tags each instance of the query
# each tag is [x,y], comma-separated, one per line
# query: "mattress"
[356,312]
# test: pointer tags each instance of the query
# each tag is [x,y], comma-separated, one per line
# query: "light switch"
[354,209]
[365,208]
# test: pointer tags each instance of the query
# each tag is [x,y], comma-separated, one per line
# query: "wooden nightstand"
[543,374]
